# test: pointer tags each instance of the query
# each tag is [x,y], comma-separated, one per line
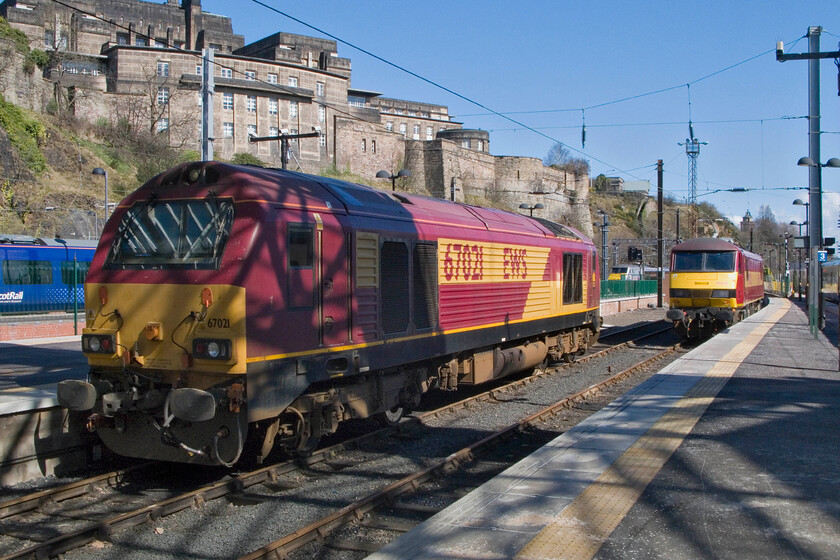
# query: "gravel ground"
[231,528]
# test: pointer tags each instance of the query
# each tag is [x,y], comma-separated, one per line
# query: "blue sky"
[544,61]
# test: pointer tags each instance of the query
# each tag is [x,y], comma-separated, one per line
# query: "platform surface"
[732,451]
[31,369]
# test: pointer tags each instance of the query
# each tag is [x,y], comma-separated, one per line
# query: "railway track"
[51,509]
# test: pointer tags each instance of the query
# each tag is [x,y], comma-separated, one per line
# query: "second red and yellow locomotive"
[713,284]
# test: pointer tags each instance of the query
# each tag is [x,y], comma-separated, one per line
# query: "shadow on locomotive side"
[713,284]
[233,309]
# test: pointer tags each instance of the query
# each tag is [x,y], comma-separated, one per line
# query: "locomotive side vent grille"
[425,286]
[393,290]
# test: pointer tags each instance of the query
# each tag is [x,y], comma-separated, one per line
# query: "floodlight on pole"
[100,171]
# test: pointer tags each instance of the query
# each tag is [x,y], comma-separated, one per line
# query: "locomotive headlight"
[723,293]
[100,343]
[212,349]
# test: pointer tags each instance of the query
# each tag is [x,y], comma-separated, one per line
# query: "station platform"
[731,451]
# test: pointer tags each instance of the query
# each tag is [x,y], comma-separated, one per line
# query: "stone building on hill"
[140,62]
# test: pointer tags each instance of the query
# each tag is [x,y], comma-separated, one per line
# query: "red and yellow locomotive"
[713,284]
[231,304]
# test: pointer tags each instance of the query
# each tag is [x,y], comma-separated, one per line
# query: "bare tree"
[560,157]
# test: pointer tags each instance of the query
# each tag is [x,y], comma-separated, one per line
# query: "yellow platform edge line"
[584,525]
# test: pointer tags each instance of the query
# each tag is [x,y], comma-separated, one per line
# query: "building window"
[465,143]
[227,129]
[416,132]
[389,126]
[481,145]
[141,41]
[293,108]
[122,39]
[163,95]
[215,46]
[364,145]
[252,130]
[250,75]
[162,125]
[160,43]
[322,140]
[430,133]
[273,131]
[163,69]
[322,113]
[319,89]
[373,146]
[179,45]
[251,104]
[49,38]
[293,132]
[272,78]
[198,69]
[293,82]
[227,101]
[227,73]
[403,129]
[272,106]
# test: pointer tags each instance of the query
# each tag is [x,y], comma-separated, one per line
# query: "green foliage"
[16,36]
[244,158]
[601,183]
[40,58]
[25,133]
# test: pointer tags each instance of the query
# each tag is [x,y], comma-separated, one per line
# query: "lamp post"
[531,209]
[605,227]
[800,202]
[387,175]
[799,260]
[816,304]
[100,171]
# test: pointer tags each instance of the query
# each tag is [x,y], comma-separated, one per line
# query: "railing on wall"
[612,289]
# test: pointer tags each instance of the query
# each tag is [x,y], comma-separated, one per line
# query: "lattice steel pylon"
[692,150]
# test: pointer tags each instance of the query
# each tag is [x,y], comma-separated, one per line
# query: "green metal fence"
[612,289]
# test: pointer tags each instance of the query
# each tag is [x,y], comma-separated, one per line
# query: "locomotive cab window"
[300,246]
[173,234]
[713,261]
[572,278]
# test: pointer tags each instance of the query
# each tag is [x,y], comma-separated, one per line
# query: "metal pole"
[605,227]
[75,295]
[208,86]
[660,245]
[815,301]
[106,196]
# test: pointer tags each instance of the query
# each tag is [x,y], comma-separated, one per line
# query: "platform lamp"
[387,175]
[537,206]
[100,171]
[816,305]
[799,260]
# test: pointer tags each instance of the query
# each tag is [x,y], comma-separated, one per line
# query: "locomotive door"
[332,281]
[317,281]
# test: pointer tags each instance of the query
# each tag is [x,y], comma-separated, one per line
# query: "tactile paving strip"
[580,530]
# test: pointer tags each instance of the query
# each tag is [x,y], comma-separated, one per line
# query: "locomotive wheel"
[570,357]
[391,417]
